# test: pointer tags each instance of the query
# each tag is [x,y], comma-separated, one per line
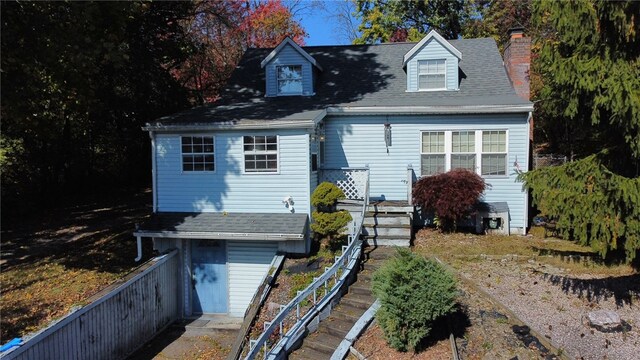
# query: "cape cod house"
[232,180]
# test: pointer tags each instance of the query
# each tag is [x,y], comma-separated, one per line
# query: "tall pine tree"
[589,59]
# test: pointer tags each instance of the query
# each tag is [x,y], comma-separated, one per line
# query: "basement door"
[209,276]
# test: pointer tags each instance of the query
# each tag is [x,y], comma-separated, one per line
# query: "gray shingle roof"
[208,225]
[355,76]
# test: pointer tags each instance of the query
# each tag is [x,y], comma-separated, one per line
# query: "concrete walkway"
[204,337]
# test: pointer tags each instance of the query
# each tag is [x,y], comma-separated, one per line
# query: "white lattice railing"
[353,182]
[338,273]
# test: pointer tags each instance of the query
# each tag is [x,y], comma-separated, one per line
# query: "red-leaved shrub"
[450,196]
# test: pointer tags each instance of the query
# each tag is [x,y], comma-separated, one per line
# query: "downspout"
[154,173]
[527,168]
[139,243]
[152,135]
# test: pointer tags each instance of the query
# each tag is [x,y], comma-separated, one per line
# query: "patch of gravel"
[554,304]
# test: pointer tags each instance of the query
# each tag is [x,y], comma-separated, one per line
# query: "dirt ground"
[481,328]
[57,259]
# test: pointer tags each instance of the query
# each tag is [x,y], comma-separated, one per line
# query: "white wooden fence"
[117,323]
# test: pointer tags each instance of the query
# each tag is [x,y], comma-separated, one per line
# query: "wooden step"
[322,342]
[358,300]
[383,240]
[387,230]
[349,312]
[398,209]
[372,219]
[307,353]
[335,326]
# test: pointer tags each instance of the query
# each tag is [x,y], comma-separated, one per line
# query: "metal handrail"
[347,261]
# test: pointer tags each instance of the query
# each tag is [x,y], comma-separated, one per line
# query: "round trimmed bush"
[413,293]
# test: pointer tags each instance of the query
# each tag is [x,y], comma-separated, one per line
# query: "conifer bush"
[327,221]
[413,293]
[450,196]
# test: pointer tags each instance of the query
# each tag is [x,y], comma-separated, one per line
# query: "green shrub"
[330,224]
[413,292]
[327,222]
[326,195]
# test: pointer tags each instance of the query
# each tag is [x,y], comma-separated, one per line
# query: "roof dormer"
[289,70]
[432,64]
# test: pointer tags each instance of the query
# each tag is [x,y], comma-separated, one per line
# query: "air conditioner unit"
[493,218]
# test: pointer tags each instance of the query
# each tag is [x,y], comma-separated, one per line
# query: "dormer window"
[289,79]
[432,74]
[432,65]
[289,70]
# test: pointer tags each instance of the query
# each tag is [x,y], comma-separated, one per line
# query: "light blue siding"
[229,188]
[430,51]
[288,56]
[248,264]
[359,141]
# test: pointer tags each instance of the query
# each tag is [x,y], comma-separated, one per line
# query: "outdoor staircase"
[388,223]
[331,331]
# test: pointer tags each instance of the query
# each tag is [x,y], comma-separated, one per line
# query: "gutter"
[423,110]
[218,236]
[294,124]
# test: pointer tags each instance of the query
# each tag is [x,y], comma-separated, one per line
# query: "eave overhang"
[253,124]
[428,110]
[207,235]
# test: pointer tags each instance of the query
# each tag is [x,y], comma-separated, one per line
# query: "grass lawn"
[54,261]
[460,248]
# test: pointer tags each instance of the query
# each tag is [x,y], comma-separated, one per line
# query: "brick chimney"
[517,57]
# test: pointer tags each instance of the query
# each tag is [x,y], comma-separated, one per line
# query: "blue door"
[209,276]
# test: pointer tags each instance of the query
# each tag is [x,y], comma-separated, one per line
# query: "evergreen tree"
[593,205]
[589,60]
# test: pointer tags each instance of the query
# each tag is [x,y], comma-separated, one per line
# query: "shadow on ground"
[95,235]
[456,323]
[624,289]
[176,342]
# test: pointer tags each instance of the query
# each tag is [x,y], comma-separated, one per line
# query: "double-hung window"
[260,154]
[289,79]
[198,153]
[494,152]
[431,74]
[463,150]
[433,154]
[481,151]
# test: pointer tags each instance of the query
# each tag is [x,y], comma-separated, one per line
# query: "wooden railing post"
[409,184]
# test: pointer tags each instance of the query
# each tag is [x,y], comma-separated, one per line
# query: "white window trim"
[278,93]
[198,172]
[448,147]
[506,152]
[475,147]
[277,152]
[446,77]
[447,158]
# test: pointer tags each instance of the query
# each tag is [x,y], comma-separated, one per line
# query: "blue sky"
[321,24]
